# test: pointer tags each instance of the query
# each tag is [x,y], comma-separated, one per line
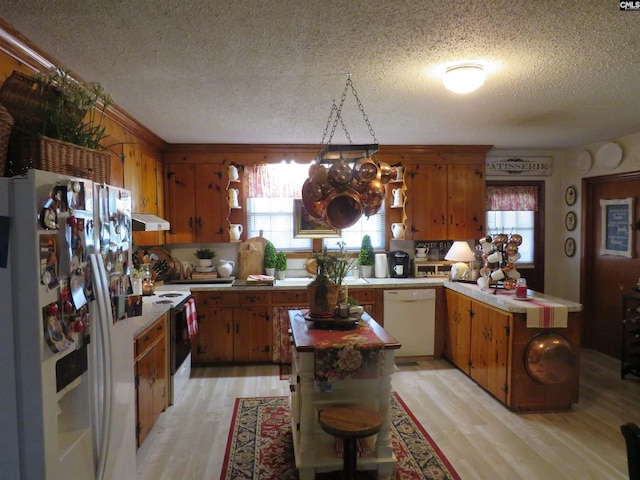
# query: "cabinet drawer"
[250,298]
[363,295]
[212,299]
[150,336]
[290,297]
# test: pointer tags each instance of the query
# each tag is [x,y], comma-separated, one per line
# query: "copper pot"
[387,173]
[342,209]
[314,208]
[365,170]
[373,194]
[340,173]
[313,190]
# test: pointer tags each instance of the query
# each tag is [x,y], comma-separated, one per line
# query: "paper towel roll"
[381,265]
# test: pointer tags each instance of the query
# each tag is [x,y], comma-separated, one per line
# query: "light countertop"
[505,300]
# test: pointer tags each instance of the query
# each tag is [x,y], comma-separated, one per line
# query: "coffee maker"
[398,264]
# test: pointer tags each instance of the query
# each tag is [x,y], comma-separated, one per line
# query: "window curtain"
[512,198]
[281,180]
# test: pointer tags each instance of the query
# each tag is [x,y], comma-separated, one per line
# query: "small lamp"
[459,252]
[464,78]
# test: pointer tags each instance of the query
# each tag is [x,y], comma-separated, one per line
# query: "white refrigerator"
[67,376]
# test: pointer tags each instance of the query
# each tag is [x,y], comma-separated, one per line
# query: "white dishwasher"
[409,315]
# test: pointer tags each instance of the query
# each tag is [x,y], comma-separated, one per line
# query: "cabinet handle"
[200,222]
[228,330]
[450,219]
[444,221]
[237,328]
[190,222]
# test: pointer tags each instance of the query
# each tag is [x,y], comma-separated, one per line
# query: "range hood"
[146,222]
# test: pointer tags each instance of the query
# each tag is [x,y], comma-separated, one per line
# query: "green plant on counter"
[366,256]
[281,261]
[269,255]
[205,253]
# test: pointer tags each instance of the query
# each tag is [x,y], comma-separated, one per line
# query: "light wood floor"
[480,437]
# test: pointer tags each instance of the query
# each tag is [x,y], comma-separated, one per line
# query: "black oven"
[180,346]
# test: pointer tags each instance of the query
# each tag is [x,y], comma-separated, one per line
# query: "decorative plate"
[570,247]
[583,162]
[609,155]
[570,195]
[570,221]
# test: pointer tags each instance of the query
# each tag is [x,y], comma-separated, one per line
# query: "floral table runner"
[351,354]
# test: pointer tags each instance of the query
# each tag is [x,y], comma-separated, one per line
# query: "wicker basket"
[6,122]
[21,96]
[56,156]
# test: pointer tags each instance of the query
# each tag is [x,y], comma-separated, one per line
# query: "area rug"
[260,445]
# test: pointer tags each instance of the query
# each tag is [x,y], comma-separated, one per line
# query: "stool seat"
[350,422]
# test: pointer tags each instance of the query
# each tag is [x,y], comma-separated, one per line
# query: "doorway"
[605,278]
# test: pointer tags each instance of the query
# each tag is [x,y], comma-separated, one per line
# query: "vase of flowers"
[326,291]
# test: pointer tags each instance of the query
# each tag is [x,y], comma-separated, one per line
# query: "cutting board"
[251,256]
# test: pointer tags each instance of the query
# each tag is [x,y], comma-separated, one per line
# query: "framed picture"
[570,221]
[616,232]
[570,195]
[305,226]
[569,247]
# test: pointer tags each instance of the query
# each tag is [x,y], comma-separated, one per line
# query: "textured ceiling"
[561,73]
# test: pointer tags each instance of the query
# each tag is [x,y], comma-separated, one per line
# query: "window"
[512,209]
[271,190]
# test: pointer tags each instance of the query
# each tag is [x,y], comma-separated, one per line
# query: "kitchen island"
[524,352]
[312,390]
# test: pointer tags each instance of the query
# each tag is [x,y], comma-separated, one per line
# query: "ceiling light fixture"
[464,78]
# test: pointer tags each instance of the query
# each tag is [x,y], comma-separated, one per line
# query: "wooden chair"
[350,422]
[631,433]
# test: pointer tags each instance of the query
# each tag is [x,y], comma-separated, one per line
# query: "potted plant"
[281,265]
[56,113]
[269,261]
[366,257]
[205,257]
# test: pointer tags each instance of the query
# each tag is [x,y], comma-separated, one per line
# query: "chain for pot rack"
[335,115]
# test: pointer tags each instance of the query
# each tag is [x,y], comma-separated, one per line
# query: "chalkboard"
[616,227]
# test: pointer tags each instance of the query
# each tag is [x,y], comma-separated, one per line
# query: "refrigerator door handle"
[103,346]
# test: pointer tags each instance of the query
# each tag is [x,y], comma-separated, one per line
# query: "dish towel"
[546,315]
[192,317]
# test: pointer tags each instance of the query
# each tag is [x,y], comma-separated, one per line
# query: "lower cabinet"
[151,376]
[477,342]
[232,327]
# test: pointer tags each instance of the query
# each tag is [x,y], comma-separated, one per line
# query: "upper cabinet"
[444,201]
[195,200]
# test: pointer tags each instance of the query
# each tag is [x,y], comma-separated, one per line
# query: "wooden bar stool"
[350,422]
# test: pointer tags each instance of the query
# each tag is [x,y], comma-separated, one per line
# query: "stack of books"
[260,280]
[204,275]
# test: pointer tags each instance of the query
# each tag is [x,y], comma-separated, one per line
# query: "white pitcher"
[397,197]
[233,173]
[225,267]
[235,230]
[233,197]
[397,229]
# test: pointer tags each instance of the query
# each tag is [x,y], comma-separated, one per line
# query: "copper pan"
[365,170]
[340,173]
[342,209]
[315,209]
[549,359]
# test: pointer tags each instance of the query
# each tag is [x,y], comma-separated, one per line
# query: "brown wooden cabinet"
[233,327]
[151,376]
[195,200]
[444,201]
[477,342]
[458,330]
